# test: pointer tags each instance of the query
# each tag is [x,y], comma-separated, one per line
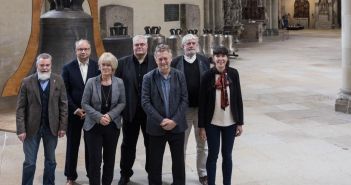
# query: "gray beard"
[44,76]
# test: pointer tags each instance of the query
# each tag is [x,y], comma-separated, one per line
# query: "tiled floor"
[292,134]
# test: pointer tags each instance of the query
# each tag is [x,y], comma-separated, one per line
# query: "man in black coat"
[193,65]
[131,70]
[75,74]
[164,99]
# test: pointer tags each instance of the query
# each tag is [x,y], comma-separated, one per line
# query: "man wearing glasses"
[75,74]
[131,70]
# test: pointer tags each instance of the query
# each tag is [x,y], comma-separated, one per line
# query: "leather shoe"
[203,180]
[70,182]
[123,181]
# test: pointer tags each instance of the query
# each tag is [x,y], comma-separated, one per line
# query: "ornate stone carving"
[232,12]
[301,9]
[252,10]
[323,6]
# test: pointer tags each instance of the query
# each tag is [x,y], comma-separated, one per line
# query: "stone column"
[212,14]
[268,17]
[218,15]
[206,14]
[274,20]
[343,102]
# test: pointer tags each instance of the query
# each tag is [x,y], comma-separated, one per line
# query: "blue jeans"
[214,134]
[30,148]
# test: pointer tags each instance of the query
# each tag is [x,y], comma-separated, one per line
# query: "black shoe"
[124,180]
[203,180]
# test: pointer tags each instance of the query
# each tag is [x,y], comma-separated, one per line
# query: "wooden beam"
[93,4]
[14,82]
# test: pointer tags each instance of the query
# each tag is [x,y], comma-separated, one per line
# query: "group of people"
[162,96]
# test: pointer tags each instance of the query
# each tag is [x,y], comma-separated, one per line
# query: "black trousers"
[128,149]
[74,132]
[156,151]
[102,143]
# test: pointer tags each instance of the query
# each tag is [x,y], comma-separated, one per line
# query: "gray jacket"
[153,102]
[91,102]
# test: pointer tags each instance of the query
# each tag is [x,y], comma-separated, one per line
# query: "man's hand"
[202,134]
[168,124]
[80,112]
[61,133]
[22,137]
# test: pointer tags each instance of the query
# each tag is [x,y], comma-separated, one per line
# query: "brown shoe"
[203,180]
[70,182]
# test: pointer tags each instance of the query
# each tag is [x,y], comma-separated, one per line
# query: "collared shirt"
[190,59]
[83,69]
[166,85]
[43,84]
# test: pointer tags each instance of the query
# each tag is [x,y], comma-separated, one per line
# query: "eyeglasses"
[83,49]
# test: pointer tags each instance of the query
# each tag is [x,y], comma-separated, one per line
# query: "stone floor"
[292,135]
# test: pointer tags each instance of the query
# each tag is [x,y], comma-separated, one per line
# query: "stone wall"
[15,27]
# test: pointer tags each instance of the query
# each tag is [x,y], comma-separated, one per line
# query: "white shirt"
[222,118]
[190,59]
[83,69]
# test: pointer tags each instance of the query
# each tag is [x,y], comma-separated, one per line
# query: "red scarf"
[222,84]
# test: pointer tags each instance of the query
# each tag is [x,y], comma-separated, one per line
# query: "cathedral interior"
[293,60]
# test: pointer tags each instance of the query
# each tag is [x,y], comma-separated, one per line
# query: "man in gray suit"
[41,93]
[164,99]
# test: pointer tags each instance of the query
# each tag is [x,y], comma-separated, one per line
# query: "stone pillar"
[274,20]
[271,8]
[343,101]
[268,17]
[211,14]
[219,15]
[207,14]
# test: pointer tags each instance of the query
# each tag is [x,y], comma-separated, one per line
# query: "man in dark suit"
[41,93]
[131,70]
[194,65]
[75,74]
[165,99]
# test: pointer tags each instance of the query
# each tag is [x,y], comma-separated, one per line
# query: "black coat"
[74,82]
[208,97]
[126,71]
[204,63]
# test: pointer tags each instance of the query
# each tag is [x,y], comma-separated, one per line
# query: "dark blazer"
[204,63]
[92,100]
[74,82]
[126,71]
[28,111]
[208,97]
[153,102]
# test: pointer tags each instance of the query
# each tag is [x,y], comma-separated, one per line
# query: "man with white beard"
[193,65]
[41,93]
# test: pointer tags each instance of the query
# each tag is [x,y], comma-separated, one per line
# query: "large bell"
[58,33]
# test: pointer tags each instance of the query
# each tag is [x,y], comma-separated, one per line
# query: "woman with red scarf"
[220,113]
